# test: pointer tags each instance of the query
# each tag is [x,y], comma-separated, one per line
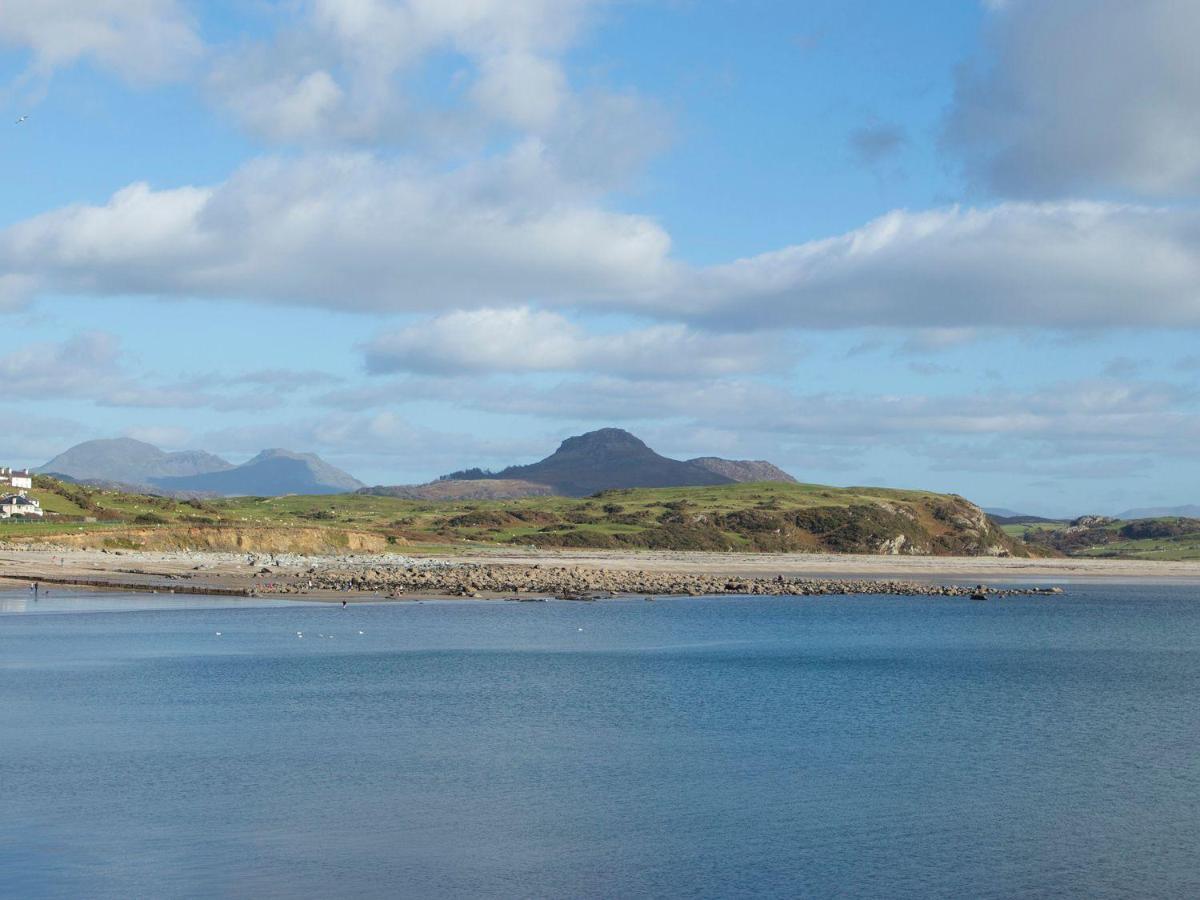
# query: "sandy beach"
[310,576]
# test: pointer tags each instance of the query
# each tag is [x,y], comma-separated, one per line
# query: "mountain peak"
[604,440]
[278,453]
[601,460]
[271,473]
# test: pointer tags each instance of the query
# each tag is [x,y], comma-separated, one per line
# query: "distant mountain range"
[586,464]
[130,463]
[1009,517]
[1002,516]
[1190,511]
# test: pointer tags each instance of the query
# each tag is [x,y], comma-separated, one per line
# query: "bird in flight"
[20,120]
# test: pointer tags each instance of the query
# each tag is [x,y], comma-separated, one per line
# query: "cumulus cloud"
[282,105]
[360,441]
[140,40]
[1102,416]
[15,291]
[30,439]
[61,369]
[525,340]
[359,70]
[92,367]
[350,232]
[1061,265]
[353,232]
[166,436]
[1082,95]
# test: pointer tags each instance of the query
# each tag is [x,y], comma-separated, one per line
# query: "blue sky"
[950,245]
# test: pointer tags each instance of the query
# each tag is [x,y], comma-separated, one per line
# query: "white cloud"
[30,439]
[164,436]
[525,340]
[356,233]
[350,232]
[350,69]
[284,105]
[1069,429]
[521,89]
[1082,95]
[1084,416]
[140,40]
[360,442]
[69,368]
[1067,265]
[91,366]
[15,291]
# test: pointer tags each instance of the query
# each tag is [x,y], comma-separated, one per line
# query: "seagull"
[20,120]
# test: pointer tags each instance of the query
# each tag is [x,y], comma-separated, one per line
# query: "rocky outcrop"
[587,583]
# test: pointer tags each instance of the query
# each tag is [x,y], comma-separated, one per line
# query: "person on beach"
[343,604]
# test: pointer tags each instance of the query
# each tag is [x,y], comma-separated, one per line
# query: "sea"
[875,746]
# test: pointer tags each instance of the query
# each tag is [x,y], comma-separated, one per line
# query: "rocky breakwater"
[586,583]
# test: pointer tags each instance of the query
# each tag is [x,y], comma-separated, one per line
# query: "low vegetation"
[766,516]
[1166,538]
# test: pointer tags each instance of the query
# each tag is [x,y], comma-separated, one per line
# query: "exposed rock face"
[743,470]
[1085,522]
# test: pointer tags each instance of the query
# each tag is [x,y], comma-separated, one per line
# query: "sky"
[952,245]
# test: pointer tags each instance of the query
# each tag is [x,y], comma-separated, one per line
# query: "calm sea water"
[868,747]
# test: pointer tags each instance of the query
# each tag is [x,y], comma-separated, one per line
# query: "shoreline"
[582,574]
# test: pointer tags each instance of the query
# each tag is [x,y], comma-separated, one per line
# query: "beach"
[488,574]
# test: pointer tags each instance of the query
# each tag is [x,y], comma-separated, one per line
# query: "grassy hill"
[767,516]
[1164,537]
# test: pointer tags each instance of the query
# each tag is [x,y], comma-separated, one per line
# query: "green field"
[768,516]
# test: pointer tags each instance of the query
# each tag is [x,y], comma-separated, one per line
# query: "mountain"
[743,470]
[142,467]
[613,458]
[1002,516]
[1190,511]
[131,462]
[270,474]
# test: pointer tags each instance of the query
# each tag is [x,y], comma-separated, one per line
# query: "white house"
[19,505]
[19,480]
